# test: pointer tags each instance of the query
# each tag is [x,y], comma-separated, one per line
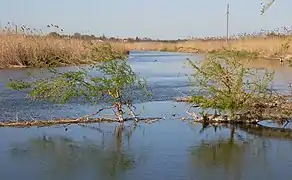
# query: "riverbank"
[269,47]
[18,51]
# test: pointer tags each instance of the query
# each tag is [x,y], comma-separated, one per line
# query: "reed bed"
[39,51]
[21,46]
[19,50]
[267,47]
[42,51]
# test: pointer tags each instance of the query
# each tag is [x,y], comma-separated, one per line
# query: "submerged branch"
[43,123]
[93,114]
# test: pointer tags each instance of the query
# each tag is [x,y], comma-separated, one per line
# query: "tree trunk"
[120,112]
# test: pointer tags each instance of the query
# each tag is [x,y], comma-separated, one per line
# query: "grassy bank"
[269,47]
[43,51]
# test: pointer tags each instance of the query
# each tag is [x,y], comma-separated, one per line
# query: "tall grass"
[36,51]
[266,43]
[263,46]
[23,48]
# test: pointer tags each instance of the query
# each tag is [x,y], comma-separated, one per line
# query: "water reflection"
[220,156]
[240,156]
[172,149]
[60,157]
[166,150]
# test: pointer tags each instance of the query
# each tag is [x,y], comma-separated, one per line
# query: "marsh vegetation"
[221,81]
[149,147]
[225,134]
[22,46]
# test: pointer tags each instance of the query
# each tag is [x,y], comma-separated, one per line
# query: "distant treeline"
[56,31]
[266,34]
[105,38]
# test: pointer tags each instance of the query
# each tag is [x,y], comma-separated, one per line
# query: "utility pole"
[227,23]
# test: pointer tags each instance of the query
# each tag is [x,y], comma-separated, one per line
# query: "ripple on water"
[168,149]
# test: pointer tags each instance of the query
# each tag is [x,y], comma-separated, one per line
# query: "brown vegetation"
[20,50]
[40,51]
[26,47]
[267,47]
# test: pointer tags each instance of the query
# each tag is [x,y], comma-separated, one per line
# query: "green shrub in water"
[224,84]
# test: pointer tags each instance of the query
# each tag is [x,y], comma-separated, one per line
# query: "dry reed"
[265,46]
[36,50]
[18,50]
[39,51]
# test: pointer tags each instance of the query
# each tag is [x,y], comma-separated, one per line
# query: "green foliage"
[117,81]
[114,82]
[226,85]
[18,85]
[104,52]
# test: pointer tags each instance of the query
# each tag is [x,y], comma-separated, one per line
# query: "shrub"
[224,84]
[115,83]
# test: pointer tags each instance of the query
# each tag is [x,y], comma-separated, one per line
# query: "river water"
[168,149]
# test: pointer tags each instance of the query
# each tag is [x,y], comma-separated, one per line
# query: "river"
[169,149]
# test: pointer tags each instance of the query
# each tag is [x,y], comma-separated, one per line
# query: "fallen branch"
[43,123]
[227,121]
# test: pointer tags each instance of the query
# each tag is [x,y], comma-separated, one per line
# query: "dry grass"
[34,51]
[42,51]
[265,47]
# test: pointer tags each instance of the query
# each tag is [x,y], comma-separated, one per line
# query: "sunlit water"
[168,149]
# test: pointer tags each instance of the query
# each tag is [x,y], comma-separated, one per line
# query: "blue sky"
[164,19]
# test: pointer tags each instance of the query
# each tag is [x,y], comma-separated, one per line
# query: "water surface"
[168,149]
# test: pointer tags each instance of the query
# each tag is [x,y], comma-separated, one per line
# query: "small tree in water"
[224,84]
[115,83]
